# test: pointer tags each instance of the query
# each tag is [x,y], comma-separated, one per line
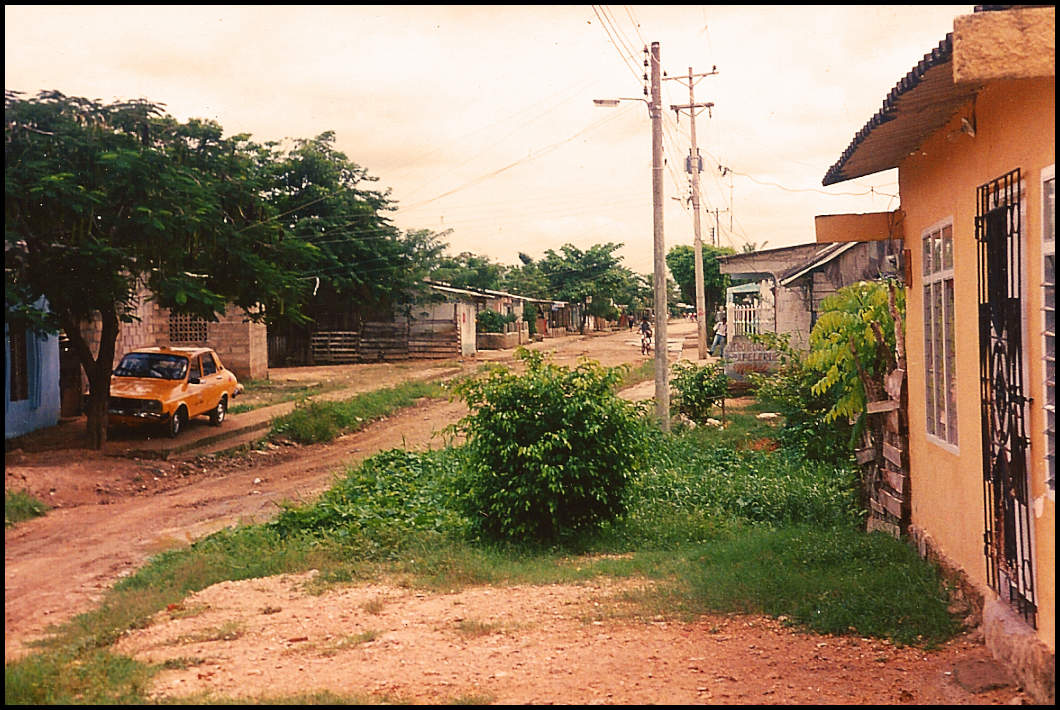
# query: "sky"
[481,119]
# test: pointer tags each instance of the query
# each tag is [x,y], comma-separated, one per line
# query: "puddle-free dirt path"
[568,644]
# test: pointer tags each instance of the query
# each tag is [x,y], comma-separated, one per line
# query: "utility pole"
[694,165]
[662,361]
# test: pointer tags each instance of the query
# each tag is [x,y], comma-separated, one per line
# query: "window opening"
[939,338]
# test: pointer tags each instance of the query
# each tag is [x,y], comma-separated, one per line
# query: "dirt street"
[513,645]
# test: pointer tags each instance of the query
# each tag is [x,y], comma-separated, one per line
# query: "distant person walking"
[717,348]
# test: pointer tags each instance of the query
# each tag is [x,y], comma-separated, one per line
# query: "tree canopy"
[595,277]
[105,200]
[682,262]
[467,270]
[321,198]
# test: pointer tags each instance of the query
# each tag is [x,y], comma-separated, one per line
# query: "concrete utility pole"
[694,165]
[662,360]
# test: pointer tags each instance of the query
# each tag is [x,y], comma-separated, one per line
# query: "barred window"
[939,338]
[185,328]
[1049,321]
[18,362]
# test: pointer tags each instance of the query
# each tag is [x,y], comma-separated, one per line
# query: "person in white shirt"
[720,331]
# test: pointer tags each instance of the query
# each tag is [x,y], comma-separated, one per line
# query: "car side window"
[196,368]
[209,367]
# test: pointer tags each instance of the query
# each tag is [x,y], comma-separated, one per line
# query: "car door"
[196,398]
[213,380]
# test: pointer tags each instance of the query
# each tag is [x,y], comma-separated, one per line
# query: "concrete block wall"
[241,345]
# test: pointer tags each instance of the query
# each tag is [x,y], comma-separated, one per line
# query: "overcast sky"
[481,119]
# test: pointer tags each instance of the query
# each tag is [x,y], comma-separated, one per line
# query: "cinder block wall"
[241,345]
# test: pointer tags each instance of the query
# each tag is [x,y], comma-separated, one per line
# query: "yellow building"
[972,132]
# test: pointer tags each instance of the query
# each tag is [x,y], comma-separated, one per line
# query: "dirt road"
[553,644]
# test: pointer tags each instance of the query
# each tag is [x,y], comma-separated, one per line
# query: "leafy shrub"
[699,389]
[845,339]
[807,429]
[490,321]
[394,491]
[550,451]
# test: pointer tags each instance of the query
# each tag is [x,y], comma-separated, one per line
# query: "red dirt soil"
[565,644]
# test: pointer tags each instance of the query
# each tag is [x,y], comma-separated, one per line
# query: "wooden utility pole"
[662,362]
[694,165]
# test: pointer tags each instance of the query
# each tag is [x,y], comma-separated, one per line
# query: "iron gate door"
[1007,538]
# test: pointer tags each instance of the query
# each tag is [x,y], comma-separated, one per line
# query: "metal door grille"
[1007,537]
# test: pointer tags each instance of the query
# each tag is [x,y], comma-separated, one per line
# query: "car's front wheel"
[217,416]
[176,424]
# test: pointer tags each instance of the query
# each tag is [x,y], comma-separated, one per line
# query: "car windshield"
[155,365]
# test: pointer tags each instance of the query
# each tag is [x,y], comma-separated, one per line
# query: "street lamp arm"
[611,103]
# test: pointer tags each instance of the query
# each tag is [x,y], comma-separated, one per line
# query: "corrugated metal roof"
[921,103]
[822,258]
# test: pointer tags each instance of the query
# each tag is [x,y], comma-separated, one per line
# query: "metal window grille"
[1049,324]
[1007,537]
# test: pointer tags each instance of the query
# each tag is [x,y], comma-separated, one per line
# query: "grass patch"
[318,421]
[260,393]
[474,628]
[97,677]
[20,506]
[634,375]
[830,580]
[228,631]
[710,528]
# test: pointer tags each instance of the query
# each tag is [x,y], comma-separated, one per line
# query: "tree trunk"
[97,370]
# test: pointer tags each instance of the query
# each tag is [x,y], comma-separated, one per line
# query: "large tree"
[360,260]
[102,200]
[594,276]
[526,279]
[467,270]
[682,262]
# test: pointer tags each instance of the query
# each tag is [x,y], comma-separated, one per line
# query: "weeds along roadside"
[715,527]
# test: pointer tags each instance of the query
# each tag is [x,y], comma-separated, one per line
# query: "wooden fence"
[387,342]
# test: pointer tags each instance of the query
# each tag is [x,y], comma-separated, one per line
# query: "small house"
[972,131]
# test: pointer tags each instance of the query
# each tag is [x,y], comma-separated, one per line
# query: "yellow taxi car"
[168,386]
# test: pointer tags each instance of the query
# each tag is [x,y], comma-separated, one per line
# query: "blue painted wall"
[41,409]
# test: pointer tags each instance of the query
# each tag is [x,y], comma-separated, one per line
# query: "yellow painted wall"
[1014,129]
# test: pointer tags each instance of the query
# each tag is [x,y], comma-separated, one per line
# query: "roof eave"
[918,106]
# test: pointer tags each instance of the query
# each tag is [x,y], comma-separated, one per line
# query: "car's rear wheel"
[217,416]
[176,424]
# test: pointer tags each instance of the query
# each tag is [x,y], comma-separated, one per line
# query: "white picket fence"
[749,320]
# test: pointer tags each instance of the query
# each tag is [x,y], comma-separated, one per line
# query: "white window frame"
[1048,281]
[937,270]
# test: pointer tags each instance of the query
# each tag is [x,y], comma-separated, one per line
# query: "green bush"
[490,321]
[392,492]
[550,451]
[807,428]
[699,389]
[855,331]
